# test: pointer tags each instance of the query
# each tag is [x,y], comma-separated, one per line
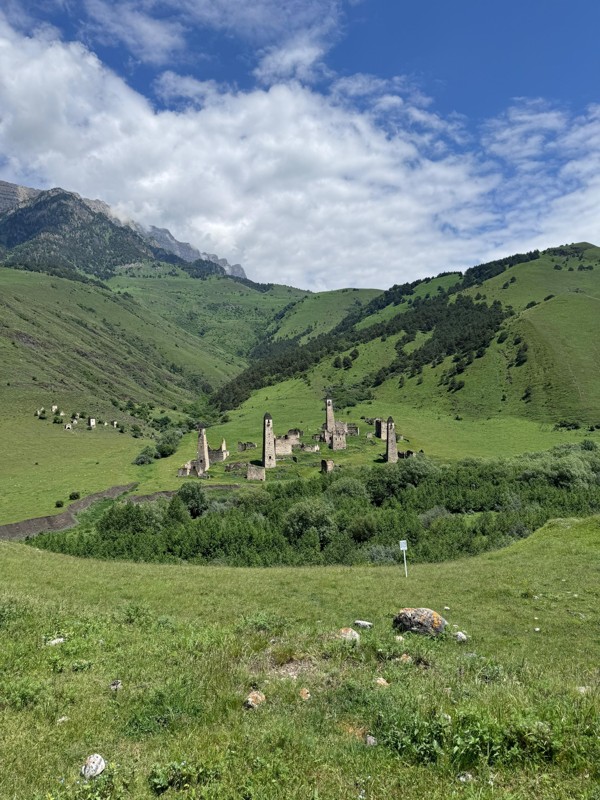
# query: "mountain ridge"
[160,241]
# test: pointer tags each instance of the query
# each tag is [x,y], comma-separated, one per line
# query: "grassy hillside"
[320,312]
[229,317]
[515,708]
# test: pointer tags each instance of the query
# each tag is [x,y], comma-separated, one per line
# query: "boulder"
[420,620]
[94,766]
[254,700]
[349,635]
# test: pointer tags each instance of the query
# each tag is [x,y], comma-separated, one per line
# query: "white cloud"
[150,39]
[300,58]
[300,188]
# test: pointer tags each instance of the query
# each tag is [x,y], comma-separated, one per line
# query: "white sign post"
[404,548]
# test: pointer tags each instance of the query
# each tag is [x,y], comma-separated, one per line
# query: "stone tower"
[329,419]
[391,448]
[203,462]
[268,442]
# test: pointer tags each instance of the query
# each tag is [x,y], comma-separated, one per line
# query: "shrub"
[194,499]
[59,504]
[147,456]
[74,496]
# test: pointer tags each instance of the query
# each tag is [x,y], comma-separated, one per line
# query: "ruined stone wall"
[338,441]
[283,446]
[255,473]
[243,446]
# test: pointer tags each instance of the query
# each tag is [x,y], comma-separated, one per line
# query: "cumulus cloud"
[299,187]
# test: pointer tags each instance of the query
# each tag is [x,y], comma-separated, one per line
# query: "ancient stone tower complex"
[391,449]
[332,432]
[268,442]
[205,457]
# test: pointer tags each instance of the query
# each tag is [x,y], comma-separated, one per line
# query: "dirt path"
[67,519]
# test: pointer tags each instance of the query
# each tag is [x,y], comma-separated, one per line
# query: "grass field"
[320,312]
[516,709]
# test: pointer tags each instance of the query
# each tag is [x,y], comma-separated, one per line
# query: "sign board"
[403,545]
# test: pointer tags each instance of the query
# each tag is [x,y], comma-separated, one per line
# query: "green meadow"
[511,713]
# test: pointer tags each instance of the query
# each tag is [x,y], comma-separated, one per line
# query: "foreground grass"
[189,643]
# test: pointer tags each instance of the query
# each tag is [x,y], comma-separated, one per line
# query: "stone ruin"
[268,451]
[206,456]
[243,446]
[391,449]
[255,473]
[334,433]
[327,466]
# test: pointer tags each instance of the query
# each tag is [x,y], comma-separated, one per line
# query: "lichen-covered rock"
[349,635]
[304,694]
[254,700]
[94,766]
[460,636]
[420,620]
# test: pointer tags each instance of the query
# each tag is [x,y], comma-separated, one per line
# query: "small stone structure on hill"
[334,433]
[327,466]
[206,456]
[243,446]
[255,473]
[268,452]
[391,449]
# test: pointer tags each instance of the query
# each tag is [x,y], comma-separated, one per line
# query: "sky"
[319,143]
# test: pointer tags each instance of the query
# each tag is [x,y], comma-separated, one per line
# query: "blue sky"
[320,143]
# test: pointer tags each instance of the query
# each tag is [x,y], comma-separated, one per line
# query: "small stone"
[405,658]
[254,699]
[446,608]
[62,720]
[399,638]
[537,630]
[584,689]
[370,741]
[53,642]
[460,636]
[381,682]
[304,694]
[94,766]
[115,686]
[465,777]
[447,718]
[362,623]
[349,635]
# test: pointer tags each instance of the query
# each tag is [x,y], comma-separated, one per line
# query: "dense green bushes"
[444,511]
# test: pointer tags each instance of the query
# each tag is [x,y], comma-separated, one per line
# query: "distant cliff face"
[156,242]
[163,238]
[12,195]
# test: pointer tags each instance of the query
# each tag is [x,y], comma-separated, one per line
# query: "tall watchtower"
[203,461]
[268,443]
[329,418]
[391,448]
